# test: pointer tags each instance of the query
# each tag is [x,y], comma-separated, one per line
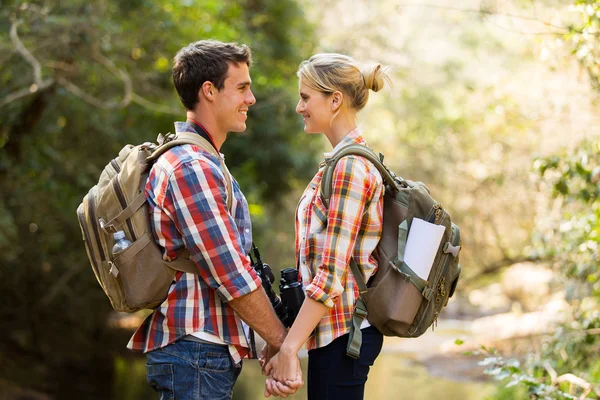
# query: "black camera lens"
[292,294]
[289,275]
[268,272]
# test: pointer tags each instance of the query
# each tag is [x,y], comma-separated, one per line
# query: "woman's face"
[315,108]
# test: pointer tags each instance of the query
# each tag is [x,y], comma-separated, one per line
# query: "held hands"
[284,374]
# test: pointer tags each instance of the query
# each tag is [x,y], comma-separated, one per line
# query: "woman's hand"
[274,388]
[285,374]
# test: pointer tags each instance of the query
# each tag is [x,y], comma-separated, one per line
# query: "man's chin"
[239,129]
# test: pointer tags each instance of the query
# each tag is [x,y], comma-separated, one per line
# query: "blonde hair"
[330,72]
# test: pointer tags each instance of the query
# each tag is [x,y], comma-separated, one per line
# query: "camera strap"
[253,353]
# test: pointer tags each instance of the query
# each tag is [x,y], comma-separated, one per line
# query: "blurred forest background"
[494,105]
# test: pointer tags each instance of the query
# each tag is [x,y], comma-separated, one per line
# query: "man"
[195,340]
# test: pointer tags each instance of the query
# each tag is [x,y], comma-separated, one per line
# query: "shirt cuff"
[246,282]
[318,294]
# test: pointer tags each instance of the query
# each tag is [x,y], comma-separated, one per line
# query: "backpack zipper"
[435,213]
[123,203]
[87,239]
[441,288]
[115,165]
[439,291]
[92,209]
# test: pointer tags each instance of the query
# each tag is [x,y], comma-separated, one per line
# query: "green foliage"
[585,38]
[575,179]
[529,381]
[574,243]
[104,81]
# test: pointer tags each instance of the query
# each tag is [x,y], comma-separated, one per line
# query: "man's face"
[232,102]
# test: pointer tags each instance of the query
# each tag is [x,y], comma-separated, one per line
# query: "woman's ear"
[208,90]
[336,100]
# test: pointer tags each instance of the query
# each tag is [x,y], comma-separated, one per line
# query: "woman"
[333,88]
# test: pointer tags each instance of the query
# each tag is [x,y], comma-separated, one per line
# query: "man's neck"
[209,124]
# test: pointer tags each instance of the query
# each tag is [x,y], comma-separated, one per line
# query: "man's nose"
[250,100]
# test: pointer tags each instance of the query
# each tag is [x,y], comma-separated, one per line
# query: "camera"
[287,307]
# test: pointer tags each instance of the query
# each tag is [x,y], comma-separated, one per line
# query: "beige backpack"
[136,278]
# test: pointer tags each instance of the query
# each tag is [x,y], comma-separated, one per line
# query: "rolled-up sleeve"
[352,190]
[196,200]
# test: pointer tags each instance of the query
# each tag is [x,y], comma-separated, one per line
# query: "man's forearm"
[255,309]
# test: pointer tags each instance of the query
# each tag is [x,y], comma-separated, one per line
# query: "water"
[121,243]
[394,376]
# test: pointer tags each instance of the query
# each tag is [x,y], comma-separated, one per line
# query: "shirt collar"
[352,137]
[187,127]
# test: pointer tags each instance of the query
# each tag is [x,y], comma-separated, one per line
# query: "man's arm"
[195,197]
[255,309]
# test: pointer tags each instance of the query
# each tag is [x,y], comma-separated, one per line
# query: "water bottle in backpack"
[121,243]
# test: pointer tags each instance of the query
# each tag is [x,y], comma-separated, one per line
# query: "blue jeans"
[192,370]
[333,375]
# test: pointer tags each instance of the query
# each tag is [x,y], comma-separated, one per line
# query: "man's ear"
[336,100]
[208,90]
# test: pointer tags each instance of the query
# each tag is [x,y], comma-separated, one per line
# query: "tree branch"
[154,106]
[21,49]
[484,12]
[26,91]
[124,76]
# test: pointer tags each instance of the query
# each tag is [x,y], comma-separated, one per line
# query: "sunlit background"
[494,105]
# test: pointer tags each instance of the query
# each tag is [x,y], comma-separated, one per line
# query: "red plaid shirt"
[186,192]
[326,238]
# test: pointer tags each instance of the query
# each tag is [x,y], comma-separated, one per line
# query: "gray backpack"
[395,300]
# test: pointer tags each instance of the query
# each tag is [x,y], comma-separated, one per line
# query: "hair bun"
[374,76]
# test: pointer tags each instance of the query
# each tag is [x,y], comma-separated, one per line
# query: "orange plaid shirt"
[326,239]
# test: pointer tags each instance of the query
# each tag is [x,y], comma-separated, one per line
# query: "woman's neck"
[339,130]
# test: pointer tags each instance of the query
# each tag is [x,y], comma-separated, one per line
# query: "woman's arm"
[352,189]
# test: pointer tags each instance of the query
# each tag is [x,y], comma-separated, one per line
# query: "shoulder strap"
[197,140]
[393,181]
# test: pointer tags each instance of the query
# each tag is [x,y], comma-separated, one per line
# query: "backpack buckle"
[114,271]
[360,312]
[448,248]
[110,229]
[162,139]
[427,293]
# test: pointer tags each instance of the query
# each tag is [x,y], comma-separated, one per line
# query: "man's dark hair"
[205,60]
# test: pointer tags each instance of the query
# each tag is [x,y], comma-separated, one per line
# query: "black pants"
[332,375]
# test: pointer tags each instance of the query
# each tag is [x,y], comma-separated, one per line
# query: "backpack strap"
[183,262]
[393,181]
[197,140]
[360,312]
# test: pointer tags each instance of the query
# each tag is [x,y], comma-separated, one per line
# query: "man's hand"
[266,354]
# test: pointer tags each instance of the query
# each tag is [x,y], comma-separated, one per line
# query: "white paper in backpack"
[421,246]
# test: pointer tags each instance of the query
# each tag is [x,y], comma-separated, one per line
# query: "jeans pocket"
[216,362]
[160,378]
[218,375]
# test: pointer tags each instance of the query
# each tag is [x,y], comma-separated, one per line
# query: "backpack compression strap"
[360,308]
